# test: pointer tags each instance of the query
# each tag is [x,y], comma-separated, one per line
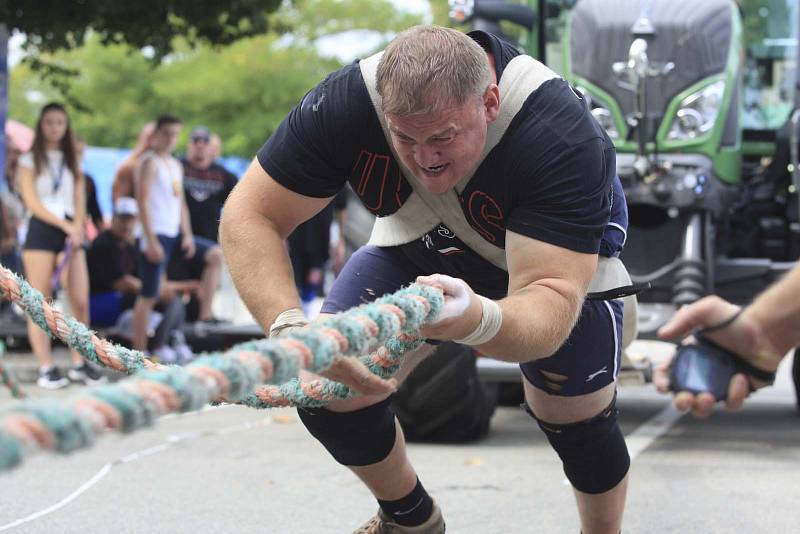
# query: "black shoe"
[86,373]
[51,379]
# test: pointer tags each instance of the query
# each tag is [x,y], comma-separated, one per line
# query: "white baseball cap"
[126,206]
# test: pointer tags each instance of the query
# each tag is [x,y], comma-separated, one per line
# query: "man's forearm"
[259,266]
[186,224]
[536,322]
[144,219]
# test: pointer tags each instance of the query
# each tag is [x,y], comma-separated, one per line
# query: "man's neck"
[199,166]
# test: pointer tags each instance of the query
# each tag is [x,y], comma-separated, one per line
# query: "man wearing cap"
[114,285]
[206,185]
[112,261]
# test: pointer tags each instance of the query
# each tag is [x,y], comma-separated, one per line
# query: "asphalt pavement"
[234,469]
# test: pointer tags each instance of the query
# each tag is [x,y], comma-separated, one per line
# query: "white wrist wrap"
[491,320]
[291,318]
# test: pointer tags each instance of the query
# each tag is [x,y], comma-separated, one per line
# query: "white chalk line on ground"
[647,433]
[106,469]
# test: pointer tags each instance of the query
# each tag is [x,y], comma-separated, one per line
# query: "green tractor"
[701,100]
[698,98]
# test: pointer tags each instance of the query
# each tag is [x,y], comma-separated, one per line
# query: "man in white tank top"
[164,218]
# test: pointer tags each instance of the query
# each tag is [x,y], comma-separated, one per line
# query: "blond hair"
[426,69]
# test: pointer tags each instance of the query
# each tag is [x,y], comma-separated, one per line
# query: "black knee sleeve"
[362,437]
[593,452]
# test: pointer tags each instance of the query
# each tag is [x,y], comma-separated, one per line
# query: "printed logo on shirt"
[486,217]
[443,231]
[377,181]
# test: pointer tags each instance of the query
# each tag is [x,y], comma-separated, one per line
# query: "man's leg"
[210,254]
[600,511]
[362,433]
[392,477]
[572,397]
[142,309]
[150,275]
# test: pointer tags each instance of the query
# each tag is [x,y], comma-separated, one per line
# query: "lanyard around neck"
[57,178]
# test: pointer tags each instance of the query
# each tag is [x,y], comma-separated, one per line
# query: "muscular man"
[491,180]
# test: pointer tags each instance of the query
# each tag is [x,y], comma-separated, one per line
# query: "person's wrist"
[288,320]
[766,349]
[485,318]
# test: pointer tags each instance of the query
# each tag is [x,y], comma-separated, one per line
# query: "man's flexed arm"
[546,288]
[259,214]
[547,285]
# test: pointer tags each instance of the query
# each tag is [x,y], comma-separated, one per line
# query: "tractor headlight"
[606,120]
[698,112]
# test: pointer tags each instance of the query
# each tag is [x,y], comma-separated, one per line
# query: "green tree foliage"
[52,25]
[241,91]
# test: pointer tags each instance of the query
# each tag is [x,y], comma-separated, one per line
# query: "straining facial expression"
[439,99]
[443,147]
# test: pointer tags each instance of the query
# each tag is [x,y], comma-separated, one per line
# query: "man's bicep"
[258,194]
[533,261]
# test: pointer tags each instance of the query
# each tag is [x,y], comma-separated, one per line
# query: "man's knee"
[593,452]
[213,257]
[357,438]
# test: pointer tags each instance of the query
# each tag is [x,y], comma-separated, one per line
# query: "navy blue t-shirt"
[551,177]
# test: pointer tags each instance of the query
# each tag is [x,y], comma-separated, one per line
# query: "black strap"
[724,324]
[618,292]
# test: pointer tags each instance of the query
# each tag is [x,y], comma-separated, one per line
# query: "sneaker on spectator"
[166,355]
[182,349]
[184,353]
[86,373]
[51,378]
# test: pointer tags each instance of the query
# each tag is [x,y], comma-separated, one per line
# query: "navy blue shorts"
[180,268]
[589,358]
[150,273]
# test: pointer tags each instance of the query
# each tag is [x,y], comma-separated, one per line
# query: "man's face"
[198,151]
[443,148]
[123,226]
[166,137]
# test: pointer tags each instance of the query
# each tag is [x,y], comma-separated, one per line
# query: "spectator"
[113,261]
[206,187]
[165,226]
[92,206]
[122,186]
[52,188]
[206,183]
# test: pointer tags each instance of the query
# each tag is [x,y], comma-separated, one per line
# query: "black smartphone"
[700,368]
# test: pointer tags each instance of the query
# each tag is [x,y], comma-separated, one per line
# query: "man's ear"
[491,102]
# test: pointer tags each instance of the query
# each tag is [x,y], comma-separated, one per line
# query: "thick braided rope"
[379,333]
